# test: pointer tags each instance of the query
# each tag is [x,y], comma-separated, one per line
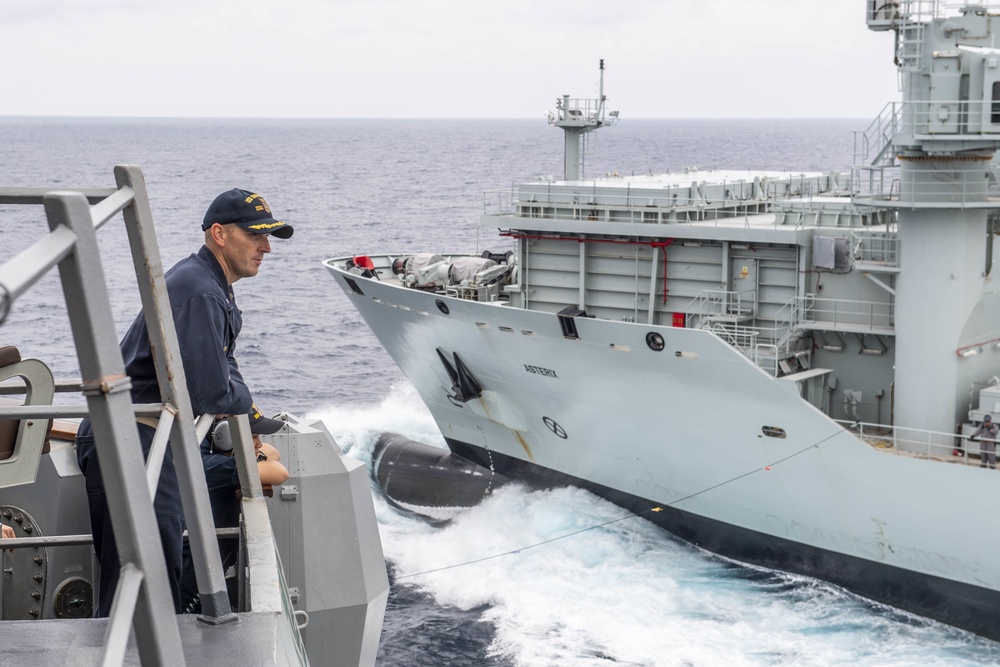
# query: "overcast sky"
[441,58]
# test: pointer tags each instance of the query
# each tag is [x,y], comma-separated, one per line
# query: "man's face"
[244,251]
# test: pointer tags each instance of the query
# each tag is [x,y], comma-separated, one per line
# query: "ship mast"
[576,117]
[944,134]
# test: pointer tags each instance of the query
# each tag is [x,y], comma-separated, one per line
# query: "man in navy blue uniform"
[237,226]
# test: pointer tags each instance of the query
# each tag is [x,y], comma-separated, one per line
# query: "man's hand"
[7,533]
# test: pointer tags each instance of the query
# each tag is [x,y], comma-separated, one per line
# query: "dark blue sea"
[624,594]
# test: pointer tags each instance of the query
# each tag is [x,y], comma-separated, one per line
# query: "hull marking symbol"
[555,428]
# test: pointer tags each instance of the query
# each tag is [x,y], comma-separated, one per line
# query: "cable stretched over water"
[631,515]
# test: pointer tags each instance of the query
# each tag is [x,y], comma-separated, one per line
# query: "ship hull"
[962,605]
[738,463]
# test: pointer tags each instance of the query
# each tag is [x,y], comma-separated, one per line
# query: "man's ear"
[218,234]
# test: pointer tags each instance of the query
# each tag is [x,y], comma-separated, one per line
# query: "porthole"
[655,341]
[442,306]
[773,432]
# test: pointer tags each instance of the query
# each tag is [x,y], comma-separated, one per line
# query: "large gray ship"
[782,368]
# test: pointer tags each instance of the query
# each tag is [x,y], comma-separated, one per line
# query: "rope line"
[633,515]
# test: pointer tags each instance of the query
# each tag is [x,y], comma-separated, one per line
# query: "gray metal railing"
[939,445]
[922,11]
[720,303]
[873,145]
[656,203]
[873,316]
[71,245]
[744,338]
[582,109]
[917,122]
[766,352]
[876,248]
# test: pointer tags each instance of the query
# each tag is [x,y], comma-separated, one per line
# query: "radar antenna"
[576,117]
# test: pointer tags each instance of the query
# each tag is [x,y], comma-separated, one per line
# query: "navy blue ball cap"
[263,425]
[247,210]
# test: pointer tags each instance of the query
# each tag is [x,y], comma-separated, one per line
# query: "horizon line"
[408,118]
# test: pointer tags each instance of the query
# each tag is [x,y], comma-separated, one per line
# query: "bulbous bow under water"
[427,480]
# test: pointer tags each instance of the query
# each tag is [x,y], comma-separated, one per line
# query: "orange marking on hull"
[527,450]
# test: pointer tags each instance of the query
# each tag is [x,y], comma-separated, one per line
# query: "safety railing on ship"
[581,109]
[969,190]
[647,192]
[938,445]
[964,185]
[880,249]
[921,123]
[766,347]
[923,11]
[765,355]
[710,304]
[873,145]
[744,338]
[881,182]
[883,14]
[725,313]
[841,314]
[634,202]
[71,245]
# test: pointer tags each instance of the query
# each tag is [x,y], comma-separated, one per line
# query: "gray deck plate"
[247,642]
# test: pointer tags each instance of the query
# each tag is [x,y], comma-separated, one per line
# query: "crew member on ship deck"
[986,434]
[237,228]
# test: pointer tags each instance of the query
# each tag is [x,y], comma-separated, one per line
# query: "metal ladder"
[910,47]
[71,245]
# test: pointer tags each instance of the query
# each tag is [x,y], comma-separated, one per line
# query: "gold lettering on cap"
[263,204]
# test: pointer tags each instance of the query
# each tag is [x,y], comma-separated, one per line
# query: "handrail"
[709,303]
[871,146]
[742,337]
[143,594]
[736,197]
[72,246]
[922,11]
[24,270]
[772,355]
[797,314]
[873,316]
[876,248]
[937,445]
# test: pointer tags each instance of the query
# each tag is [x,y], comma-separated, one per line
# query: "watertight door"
[744,297]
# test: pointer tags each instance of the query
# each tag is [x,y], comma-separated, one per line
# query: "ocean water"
[514,581]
